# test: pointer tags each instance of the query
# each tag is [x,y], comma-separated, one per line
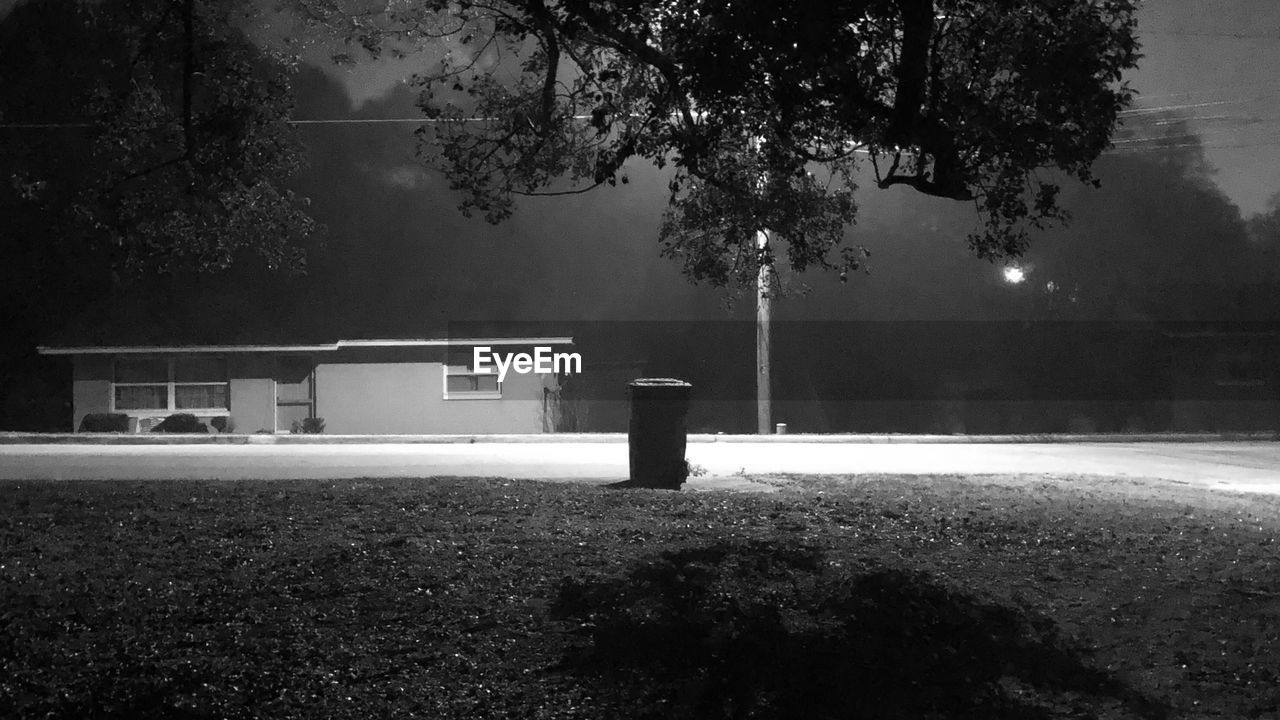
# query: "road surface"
[1242,466]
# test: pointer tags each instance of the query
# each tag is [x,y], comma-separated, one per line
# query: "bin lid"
[658,382]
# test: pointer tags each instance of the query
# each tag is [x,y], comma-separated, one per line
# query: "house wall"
[252,394]
[253,400]
[408,397]
[252,405]
[380,391]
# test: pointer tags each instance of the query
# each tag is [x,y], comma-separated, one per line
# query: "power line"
[421,120]
[1191,106]
[1208,91]
[47,126]
[1133,143]
[1164,148]
[1190,118]
[430,121]
[1224,36]
[1245,125]
[317,121]
[1133,112]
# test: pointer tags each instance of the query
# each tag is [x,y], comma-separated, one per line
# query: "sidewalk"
[18,438]
[1206,462]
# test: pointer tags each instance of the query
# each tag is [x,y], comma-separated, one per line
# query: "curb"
[11,438]
[1040,438]
[290,439]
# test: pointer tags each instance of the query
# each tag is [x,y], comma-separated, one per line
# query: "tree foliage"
[1127,257]
[768,108]
[149,133]
[1264,230]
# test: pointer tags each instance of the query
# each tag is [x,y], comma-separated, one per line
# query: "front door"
[295,392]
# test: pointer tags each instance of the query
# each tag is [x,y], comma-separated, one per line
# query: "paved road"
[1245,466]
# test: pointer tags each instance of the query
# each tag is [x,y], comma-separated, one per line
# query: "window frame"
[448,371]
[171,386]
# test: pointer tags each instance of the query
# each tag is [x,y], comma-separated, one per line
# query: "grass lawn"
[874,597]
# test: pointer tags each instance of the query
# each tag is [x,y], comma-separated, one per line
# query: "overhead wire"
[1139,120]
[1220,35]
[1133,112]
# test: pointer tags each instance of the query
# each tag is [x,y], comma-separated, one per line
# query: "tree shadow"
[764,630]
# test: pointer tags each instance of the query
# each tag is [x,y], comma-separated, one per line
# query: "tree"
[153,130]
[765,108]
[1127,257]
[1264,232]
[138,139]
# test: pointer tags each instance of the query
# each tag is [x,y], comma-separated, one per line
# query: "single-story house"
[355,386]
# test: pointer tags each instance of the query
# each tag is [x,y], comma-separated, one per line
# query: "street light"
[1014,274]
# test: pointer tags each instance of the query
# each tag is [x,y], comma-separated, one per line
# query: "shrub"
[104,422]
[181,423]
[309,426]
[223,424]
[775,630]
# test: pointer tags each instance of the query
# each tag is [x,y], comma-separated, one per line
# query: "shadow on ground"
[760,630]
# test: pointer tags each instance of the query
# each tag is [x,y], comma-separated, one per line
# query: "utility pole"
[764,311]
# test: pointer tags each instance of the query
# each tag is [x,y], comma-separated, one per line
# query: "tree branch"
[555,193]
[146,171]
[475,59]
[913,67]
[928,186]
[551,44]
[145,45]
[635,47]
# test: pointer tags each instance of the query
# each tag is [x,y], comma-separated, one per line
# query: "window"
[200,383]
[171,384]
[461,383]
[142,384]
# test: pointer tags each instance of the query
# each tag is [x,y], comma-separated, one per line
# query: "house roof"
[193,349]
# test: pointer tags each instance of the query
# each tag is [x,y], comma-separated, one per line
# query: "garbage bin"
[656,432]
